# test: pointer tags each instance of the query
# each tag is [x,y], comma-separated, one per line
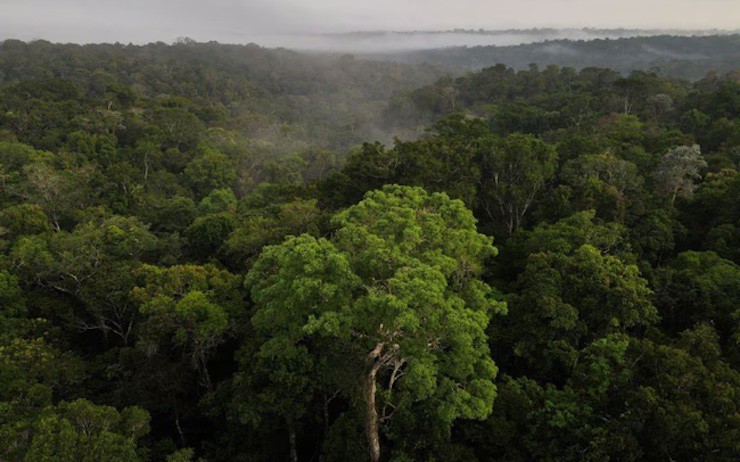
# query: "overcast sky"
[240,21]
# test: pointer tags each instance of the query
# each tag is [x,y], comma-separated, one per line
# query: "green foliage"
[141,186]
[605,183]
[566,300]
[445,162]
[92,264]
[11,297]
[83,431]
[23,219]
[514,169]
[627,398]
[700,287]
[218,201]
[712,216]
[170,215]
[209,170]
[396,292]
[182,455]
[267,224]
[564,237]
[207,234]
[187,307]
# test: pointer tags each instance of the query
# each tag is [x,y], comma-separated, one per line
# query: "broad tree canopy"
[397,291]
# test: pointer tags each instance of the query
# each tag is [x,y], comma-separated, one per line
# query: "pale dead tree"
[679,170]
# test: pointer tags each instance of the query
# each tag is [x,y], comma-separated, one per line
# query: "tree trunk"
[371,415]
[326,415]
[179,430]
[293,448]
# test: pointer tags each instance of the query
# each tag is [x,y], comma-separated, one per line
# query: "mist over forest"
[406,41]
[687,57]
[460,244]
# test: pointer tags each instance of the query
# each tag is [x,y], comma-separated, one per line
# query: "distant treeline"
[677,56]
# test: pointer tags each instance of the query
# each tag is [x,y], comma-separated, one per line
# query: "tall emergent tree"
[396,292]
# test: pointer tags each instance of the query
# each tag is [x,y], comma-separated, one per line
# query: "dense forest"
[219,253]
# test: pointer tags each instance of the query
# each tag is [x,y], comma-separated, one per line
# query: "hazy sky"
[244,20]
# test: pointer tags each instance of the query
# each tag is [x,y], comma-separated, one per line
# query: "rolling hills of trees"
[218,253]
[286,98]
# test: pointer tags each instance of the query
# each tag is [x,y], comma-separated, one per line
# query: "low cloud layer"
[261,21]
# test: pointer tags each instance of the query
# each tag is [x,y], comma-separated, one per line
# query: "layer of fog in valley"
[402,41]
